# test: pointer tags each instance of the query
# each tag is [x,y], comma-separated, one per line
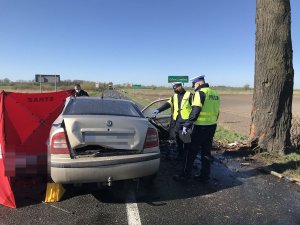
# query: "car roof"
[100,98]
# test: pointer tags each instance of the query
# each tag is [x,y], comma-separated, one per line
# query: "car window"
[147,111]
[89,106]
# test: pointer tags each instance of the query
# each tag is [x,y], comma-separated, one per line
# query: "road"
[236,111]
[234,195]
[244,197]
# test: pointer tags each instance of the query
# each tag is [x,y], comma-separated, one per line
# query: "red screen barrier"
[25,122]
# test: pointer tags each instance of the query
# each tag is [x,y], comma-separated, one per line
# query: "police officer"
[180,104]
[79,92]
[203,122]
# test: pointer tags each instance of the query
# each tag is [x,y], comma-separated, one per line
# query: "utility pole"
[40,83]
[55,83]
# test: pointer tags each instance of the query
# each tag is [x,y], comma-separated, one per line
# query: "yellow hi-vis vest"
[185,108]
[210,109]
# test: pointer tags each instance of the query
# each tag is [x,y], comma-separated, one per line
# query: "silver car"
[101,140]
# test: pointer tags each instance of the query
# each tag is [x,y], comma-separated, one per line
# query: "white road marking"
[60,209]
[53,206]
[133,216]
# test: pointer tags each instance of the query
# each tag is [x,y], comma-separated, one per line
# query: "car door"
[162,121]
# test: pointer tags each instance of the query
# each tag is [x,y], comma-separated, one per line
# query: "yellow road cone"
[54,192]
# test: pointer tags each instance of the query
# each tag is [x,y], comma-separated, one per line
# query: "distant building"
[43,78]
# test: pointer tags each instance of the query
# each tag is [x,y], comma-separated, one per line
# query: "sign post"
[136,86]
[40,83]
[55,83]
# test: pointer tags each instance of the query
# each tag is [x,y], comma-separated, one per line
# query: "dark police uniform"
[81,93]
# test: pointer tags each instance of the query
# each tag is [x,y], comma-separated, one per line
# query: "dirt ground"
[236,111]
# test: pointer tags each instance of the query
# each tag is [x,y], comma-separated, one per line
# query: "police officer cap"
[197,79]
[176,84]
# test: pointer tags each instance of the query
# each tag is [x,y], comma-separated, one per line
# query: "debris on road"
[245,164]
[276,174]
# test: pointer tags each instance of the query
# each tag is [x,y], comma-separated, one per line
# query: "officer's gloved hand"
[184,131]
[154,113]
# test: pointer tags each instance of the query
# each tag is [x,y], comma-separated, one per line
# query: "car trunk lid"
[106,132]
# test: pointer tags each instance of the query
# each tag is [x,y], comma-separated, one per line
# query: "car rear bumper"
[102,169]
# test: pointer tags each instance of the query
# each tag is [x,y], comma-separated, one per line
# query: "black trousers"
[179,143]
[201,140]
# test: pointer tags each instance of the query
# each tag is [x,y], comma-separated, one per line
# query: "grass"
[286,164]
[225,136]
[137,97]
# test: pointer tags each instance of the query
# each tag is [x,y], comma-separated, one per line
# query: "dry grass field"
[236,105]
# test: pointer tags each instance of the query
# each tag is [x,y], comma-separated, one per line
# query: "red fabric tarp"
[25,122]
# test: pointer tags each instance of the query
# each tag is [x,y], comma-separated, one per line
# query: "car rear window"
[89,106]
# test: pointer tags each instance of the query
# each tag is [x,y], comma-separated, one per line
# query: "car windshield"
[90,106]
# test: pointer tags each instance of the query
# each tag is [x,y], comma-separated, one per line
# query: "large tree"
[274,77]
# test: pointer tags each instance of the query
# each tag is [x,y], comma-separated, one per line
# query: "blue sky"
[133,41]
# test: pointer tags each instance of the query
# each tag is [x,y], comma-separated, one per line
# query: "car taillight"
[59,144]
[151,138]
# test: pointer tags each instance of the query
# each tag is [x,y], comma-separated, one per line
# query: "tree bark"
[274,77]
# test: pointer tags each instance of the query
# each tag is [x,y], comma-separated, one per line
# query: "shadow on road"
[165,189]
[29,191]
[162,190]
[282,167]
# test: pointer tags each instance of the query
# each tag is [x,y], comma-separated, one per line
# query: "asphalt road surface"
[234,195]
[231,197]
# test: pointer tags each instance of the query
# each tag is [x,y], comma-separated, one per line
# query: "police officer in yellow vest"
[180,103]
[202,122]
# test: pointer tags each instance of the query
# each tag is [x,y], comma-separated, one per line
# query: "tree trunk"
[274,77]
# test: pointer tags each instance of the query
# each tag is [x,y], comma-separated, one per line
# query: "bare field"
[235,106]
[236,111]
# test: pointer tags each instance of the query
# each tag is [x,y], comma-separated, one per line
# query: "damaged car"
[98,139]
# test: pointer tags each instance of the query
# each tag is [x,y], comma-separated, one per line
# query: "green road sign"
[183,79]
[136,86]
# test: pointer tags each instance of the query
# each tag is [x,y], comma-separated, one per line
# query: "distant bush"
[246,87]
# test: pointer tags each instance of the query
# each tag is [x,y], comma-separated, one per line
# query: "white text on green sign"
[183,79]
